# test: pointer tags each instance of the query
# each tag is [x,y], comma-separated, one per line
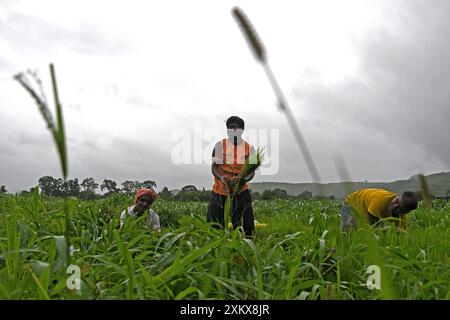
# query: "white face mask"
[234,133]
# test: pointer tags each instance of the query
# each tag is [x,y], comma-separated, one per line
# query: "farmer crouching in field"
[373,205]
[143,199]
[228,159]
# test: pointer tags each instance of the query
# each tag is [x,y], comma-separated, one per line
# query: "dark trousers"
[241,209]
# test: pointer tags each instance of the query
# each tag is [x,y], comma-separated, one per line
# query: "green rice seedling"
[251,164]
[189,260]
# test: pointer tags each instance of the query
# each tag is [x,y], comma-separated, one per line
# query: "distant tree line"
[86,190]
[280,194]
[53,187]
[187,193]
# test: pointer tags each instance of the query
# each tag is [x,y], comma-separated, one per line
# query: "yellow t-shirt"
[374,202]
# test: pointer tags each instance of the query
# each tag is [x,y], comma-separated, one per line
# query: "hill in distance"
[438,183]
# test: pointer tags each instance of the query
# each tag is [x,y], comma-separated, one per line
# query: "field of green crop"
[300,255]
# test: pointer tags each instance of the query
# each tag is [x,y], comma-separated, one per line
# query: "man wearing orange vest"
[228,160]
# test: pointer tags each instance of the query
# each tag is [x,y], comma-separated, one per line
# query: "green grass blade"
[42,292]
[129,262]
[188,259]
[59,134]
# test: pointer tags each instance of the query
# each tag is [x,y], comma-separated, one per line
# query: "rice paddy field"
[301,254]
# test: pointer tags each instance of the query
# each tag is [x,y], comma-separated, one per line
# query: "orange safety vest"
[233,160]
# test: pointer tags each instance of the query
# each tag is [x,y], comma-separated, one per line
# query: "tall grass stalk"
[56,129]
[259,51]
[425,191]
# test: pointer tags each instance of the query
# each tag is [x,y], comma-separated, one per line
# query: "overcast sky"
[368,81]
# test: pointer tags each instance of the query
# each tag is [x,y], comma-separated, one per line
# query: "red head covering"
[145,191]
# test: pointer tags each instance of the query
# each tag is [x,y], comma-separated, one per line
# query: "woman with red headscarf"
[143,199]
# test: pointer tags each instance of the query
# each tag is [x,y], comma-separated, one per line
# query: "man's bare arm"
[215,165]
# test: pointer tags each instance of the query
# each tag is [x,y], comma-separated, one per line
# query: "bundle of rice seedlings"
[252,163]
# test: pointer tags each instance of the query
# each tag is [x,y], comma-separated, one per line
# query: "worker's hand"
[224,180]
[233,181]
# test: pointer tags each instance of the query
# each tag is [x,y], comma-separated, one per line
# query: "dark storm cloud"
[126,159]
[25,158]
[402,91]
[386,121]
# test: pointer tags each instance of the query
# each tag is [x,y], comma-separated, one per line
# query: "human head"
[235,127]
[403,204]
[143,199]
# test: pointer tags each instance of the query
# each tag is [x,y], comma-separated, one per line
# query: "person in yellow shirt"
[373,205]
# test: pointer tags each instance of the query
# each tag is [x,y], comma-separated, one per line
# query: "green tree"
[255,195]
[193,195]
[189,188]
[110,186]
[279,193]
[267,195]
[130,187]
[149,184]
[3,189]
[89,184]
[50,186]
[305,195]
[165,193]
[60,188]
[73,188]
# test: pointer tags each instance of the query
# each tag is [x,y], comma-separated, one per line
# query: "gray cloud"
[90,144]
[388,122]
[24,159]
[401,93]
[25,138]
[125,159]
[35,32]
[131,97]
[5,64]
